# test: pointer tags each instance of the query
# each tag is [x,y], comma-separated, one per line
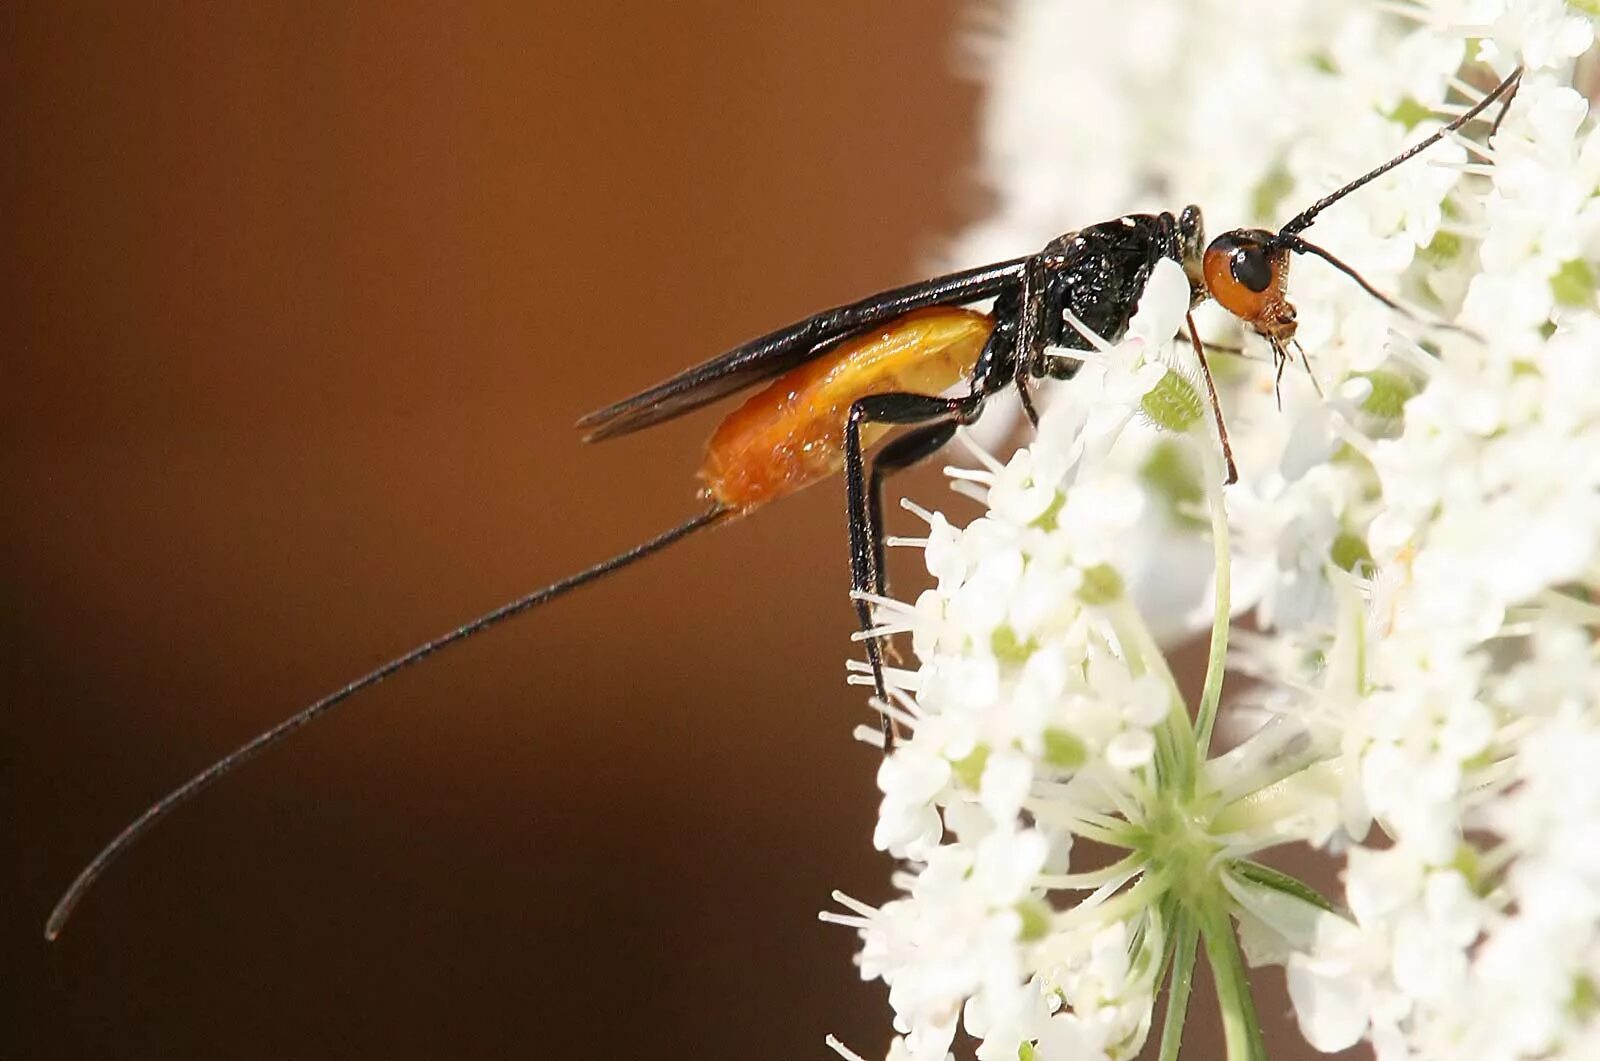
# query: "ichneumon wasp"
[842,378]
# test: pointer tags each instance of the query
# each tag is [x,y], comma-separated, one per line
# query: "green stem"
[1111,832]
[1090,880]
[1182,983]
[1240,1024]
[1115,908]
[1216,663]
[1260,810]
[1174,736]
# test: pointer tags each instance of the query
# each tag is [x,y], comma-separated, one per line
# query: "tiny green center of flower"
[1101,585]
[1180,851]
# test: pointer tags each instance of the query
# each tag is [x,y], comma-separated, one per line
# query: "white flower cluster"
[1476,919]
[1034,720]
[1418,551]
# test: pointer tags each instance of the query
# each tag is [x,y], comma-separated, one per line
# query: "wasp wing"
[777,352]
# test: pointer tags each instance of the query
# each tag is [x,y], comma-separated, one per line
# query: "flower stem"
[1240,1024]
[1182,982]
[1280,798]
[1107,910]
[1216,662]
[1174,736]
[1124,867]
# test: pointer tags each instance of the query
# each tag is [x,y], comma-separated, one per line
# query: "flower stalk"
[1241,1028]
[1217,657]
[1179,985]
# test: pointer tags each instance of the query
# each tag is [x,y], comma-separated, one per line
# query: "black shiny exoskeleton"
[1098,273]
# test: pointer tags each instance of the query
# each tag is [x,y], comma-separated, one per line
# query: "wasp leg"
[904,452]
[1030,333]
[865,544]
[1216,406]
[1231,349]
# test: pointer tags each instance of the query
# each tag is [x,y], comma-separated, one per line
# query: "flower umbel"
[1043,716]
[1418,552]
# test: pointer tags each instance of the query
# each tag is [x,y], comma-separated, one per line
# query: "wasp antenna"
[262,741]
[1516,77]
[1304,246]
[1300,245]
[1507,88]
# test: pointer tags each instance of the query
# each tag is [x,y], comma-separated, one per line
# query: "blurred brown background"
[301,306]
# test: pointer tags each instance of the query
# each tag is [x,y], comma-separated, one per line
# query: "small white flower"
[1333,992]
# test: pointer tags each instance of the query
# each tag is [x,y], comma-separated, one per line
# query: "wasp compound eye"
[1250,267]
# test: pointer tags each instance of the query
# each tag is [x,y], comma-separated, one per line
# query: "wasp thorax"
[1247,272]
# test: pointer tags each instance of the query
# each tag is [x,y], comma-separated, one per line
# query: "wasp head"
[1247,272]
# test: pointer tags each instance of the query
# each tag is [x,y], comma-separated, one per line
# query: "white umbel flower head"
[1416,544]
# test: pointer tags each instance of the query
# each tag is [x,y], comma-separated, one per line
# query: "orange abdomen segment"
[791,434]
